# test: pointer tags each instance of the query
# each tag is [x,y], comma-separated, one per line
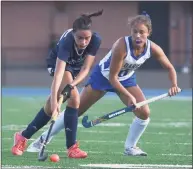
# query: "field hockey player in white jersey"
[116,73]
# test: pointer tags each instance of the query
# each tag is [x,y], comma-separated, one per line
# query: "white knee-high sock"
[57,127]
[137,128]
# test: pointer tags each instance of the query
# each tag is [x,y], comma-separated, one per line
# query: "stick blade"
[42,157]
[85,122]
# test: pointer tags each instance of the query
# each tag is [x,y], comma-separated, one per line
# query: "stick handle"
[154,99]
[59,103]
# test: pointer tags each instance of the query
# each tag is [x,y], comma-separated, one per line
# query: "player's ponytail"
[84,22]
[96,13]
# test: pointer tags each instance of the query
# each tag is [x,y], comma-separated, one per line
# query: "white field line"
[32,167]
[172,120]
[120,166]
[187,155]
[11,128]
[165,133]
[150,133]
[118,142]
[107,124]
[110,152]
[134,166]
[109,142]
[19,127]
[13,110]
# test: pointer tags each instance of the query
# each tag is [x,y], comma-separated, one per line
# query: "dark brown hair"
[142,18]
[84,22]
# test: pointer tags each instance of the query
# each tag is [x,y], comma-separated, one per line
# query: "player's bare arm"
[159,54]
[84,70]
[59,72]
[118,55]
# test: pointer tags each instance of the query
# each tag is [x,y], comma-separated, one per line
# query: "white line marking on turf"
[99,131]
[106,152]
[152,124]
[19,127]
[108,141]
[165,133]
[117,142]
[13,110]
[188,155]
[135,166]
[107,166]
[173,120]
[28,167]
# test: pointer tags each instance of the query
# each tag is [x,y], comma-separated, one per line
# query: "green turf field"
[167,140]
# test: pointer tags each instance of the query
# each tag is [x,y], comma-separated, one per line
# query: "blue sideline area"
[29,92]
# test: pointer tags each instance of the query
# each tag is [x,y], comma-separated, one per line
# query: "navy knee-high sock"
[70,123]
[38,122]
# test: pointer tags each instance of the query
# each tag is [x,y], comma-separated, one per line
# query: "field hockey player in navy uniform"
[75,53]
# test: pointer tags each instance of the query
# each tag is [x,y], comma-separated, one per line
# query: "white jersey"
[130,63]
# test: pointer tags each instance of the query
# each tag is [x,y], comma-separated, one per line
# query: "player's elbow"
[171,69]
[168,67]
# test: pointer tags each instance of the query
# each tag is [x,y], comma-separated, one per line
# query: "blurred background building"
[29,30]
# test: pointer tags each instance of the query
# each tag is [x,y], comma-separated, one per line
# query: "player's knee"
[145,113]
[74,102]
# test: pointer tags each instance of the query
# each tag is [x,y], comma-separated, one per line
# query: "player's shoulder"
[120,43]
[68,35]
[155,47]
[67,39]
[120,46]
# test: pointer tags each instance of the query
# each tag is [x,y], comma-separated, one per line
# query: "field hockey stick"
[88,124]
[42,156]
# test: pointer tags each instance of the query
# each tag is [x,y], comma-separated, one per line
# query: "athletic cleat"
[20,144]
[75,152]
[36,145]
[134,151]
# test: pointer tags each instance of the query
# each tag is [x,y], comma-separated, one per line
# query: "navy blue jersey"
[65,50]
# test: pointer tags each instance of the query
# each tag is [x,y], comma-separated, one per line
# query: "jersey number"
[123,73]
